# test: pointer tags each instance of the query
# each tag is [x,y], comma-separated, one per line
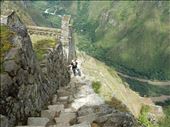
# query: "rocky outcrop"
[3,121]
[25,89]
[115,91]
[61,112]
[66,38]
[105,116]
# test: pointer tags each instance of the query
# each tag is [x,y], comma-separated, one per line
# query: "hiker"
[75,69]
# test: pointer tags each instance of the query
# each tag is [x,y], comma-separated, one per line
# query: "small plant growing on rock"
[143,117]
[96,86]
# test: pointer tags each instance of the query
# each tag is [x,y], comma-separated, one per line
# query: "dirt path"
[161,98]
[152,82]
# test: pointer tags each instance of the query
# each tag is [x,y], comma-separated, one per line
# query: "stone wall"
[43,31]
[25,89]
[64,34]
[66,38]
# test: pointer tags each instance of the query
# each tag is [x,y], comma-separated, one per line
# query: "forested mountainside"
[20,8]
[132,36]
[32,12]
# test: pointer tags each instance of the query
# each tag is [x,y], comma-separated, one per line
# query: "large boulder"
[11,67]
[25,87]
[105,116]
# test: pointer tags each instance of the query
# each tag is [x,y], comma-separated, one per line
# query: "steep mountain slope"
[19,7]
[39,17]
[132,36]
[114,91]
[32,12]
[25,88]
[117,46]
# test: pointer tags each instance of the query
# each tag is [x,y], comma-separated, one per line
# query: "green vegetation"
[41,47]
[165,103]
[5,44]
[18,7]
[132,36]
[129,35]
[143,119]
[35,15]
[166,121]
[145,89]
[41,18]
[96,85]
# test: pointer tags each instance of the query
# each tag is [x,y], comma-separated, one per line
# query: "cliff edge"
[25,89]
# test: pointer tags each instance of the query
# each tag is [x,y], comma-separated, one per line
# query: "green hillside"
[42,19]
[32,12]
[131,36]
[19,8]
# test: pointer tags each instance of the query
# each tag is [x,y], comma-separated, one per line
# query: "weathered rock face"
[106,116]
[66,39]
[25,89]
[3,121]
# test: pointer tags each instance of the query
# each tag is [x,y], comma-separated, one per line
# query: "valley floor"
[152,82]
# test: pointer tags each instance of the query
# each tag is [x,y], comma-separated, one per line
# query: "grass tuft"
[96,85]
[143,117]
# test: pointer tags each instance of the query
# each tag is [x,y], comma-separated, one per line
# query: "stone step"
[62,92]
[29,126]
[71,98]
[66,104]
[60,125]
[57,107]
[50,114]
[84,124]
[88,118]
[66,117]
[103,118]
[54,99]
[69,110]
[63,99]
[37,121]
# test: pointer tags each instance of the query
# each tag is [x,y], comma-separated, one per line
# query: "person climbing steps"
[74,67]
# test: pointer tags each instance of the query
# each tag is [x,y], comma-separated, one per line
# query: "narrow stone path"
[77,105]
[62,112]
[161,98]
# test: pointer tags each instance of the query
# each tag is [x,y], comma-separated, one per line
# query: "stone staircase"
[59,113]
[76,105]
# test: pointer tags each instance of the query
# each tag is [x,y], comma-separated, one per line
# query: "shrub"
[96,85]
[165,122]
[143,117]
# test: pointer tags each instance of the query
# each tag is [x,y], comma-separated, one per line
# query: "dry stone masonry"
[43,31]
[25,89]
[32,96]
[61,112]
[66,38]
